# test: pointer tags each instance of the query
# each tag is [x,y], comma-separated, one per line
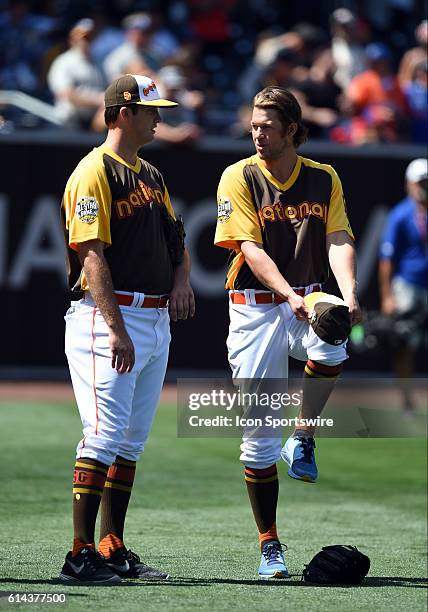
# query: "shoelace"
[308,445]
[132,557]
[272,552]
[93,559]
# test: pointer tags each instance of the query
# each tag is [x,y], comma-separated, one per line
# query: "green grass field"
[189,515]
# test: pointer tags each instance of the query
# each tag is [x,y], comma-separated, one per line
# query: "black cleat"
[87,567]
[128,565]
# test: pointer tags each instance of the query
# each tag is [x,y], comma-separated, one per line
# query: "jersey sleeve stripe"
[235,266]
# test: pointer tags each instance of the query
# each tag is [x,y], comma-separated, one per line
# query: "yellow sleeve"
[236,218]
[337,218]
[87,203]
[167,202]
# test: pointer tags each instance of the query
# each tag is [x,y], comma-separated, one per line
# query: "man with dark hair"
[284,220]
[126,257]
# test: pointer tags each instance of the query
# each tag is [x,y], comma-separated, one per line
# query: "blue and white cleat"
[272,564]
[300,456]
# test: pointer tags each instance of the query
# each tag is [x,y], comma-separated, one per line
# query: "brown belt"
[267,298]
[148,302]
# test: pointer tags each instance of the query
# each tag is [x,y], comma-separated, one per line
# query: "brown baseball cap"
[134,89]
[330,318]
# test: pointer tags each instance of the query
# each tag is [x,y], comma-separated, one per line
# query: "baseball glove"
[174,235]
[338,564]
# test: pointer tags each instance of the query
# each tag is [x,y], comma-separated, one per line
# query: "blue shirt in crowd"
[405,242]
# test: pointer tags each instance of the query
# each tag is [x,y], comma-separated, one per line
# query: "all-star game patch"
[225,209]
[87,209]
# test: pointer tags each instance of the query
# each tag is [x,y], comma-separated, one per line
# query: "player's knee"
[328,355]
[99,447]
[260,453]
[131,451]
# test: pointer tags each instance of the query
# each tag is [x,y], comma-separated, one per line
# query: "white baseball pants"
[116,410]
[261,337]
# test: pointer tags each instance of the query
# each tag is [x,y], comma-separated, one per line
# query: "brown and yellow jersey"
[110,200]
[290,220]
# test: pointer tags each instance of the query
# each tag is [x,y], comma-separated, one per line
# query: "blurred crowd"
[357,67]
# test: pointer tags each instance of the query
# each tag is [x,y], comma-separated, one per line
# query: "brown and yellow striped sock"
[318,382]
[115,499]
[263,487]
[88,485]
[313,369]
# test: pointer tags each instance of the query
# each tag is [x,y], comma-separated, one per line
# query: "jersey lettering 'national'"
[289,220]
[109,200]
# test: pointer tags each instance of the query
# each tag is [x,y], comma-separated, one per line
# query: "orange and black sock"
[318,383]
[88,485]
[109,544]
[115,500]
[263,487]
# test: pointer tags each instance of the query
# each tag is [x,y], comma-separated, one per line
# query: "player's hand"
[299,308]
[122,351]
[354,310]
[181,301]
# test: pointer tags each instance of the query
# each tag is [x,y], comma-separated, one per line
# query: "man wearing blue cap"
[376,98]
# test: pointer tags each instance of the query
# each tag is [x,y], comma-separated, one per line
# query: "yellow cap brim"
[320,296]
[162,103]
[311,299]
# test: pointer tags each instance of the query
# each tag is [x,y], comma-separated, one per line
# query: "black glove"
[338,564]
[174,235]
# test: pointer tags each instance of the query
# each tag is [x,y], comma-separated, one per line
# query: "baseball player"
[117,219]
[284,220]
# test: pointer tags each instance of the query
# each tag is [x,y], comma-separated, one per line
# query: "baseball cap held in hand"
[134,89]
[330,317]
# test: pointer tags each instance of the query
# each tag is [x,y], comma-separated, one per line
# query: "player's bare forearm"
[182,272]
[266,271]
[182,299]
[100,285]
[341,255]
